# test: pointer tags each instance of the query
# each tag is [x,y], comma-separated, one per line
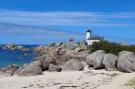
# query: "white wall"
[90,42]
[88,35]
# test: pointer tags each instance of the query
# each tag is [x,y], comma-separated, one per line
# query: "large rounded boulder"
[32,69]
[96,59]
[110,62]
[126,62]
[73,65]
[46,60]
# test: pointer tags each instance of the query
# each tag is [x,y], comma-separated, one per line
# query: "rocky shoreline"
[70,66]
[70,57]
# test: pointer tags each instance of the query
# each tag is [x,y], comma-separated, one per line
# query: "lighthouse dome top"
[88,30]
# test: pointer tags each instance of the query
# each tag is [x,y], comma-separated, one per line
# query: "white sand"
[93,79]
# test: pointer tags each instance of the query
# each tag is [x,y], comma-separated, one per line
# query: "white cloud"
[67,18]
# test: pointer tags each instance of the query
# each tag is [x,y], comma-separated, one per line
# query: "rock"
[32,69]
[83,46]
[52,45]
[96,59]
[3,73]
[8,71]
[17,72]
[73,65]
[110,62]
[70,46]
[126,62]
[22,48]
[10,46]
[53,67]
[15,47]
[11,69]
[46,60]
[63,59]
[61,53]
[40,50]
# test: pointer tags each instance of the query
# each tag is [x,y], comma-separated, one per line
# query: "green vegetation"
[131,83]
[111,47]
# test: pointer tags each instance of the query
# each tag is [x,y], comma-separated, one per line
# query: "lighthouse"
[91,39]
[88,35]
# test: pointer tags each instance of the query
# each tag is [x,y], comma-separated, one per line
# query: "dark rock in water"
[22,48]
[53,67]
[110,62]
[73,65]
[126,62]
[10,46]
[96,59]
[32,69]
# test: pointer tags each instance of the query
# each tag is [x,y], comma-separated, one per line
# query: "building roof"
[96,38]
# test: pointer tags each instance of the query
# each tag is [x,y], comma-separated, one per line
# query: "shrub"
[131,82]
[111,47]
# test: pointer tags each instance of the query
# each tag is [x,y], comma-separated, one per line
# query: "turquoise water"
[8,57]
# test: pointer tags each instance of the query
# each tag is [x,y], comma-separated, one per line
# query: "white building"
[90,39]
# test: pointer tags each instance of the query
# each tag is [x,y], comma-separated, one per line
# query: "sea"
[18,57]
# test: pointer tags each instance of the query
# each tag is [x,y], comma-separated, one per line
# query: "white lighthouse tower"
[88,36]
[90,39]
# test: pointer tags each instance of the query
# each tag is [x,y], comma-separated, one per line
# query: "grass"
[131,82]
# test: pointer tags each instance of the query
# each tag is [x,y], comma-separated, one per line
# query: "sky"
[45,21]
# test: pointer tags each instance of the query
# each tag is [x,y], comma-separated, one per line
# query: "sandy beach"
[92,79]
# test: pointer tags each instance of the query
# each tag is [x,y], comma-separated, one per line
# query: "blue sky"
[115,19]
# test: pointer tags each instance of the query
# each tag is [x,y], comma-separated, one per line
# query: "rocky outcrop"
[96,59]
[15,47]
[110,62]
[126,62]
[32,69]
[73,65]
[63,52]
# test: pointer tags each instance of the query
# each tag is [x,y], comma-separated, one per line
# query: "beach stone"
[96,59]
[110,62]
[74,65]
[126,62]
[32,69]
